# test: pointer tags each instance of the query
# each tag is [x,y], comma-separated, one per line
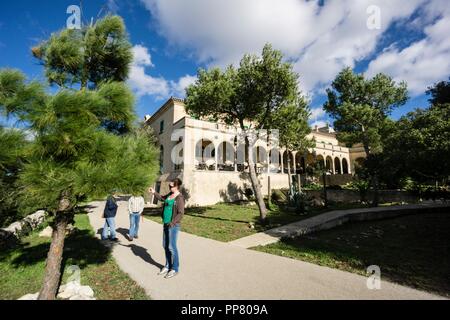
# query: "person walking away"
[109,213]
[135,209]
[172,213]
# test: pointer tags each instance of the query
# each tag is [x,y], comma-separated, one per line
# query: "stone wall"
[337,179]
[209,187]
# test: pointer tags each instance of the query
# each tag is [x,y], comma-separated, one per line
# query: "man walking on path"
[109,213]
[135,209]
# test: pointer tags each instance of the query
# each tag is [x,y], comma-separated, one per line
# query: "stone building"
[210,158]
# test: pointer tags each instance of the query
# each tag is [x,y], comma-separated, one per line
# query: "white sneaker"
[171,274]
[163,271]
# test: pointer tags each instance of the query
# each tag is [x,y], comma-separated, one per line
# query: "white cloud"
[178,87]
[319,40]
[422,63]
[141,56]
[317,113]
[144,84]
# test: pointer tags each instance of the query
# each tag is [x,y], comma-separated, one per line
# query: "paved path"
[211,269]
[332,219]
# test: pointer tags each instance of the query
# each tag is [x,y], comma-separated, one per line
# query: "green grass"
[22,267]
[410,250]
[230,221]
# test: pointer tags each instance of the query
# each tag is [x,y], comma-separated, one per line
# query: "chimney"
[146,117]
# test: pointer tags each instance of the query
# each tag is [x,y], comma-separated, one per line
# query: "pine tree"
[84,141]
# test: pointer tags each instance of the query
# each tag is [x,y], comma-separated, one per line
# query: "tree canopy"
[252,92]
[418,144]
[361,106]
[440,93]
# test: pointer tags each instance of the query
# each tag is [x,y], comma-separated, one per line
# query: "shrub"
[360,185]
[312,186]
[248,193]
[278,196]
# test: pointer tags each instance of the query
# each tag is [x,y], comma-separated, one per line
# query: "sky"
[408,40]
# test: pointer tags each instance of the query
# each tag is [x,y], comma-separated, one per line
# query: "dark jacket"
[177,209]
[110,208]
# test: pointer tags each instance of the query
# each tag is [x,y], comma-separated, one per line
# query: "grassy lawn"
[410,250]
[230,221]
[22,268]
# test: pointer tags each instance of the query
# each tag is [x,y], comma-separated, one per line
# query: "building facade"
[211,161]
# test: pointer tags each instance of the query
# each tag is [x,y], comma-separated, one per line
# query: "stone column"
[294,153]
[216,156]
[188,153]
[332,166]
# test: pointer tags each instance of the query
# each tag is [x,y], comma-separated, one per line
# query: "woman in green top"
[172,214]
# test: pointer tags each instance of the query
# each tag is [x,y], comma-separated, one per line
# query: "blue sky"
[172,38]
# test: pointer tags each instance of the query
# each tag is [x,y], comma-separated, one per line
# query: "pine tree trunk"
[53,265]
[52,273]
[255,184]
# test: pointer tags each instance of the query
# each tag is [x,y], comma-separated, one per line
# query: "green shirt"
[168,207]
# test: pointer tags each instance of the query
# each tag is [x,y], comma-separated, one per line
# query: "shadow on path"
[138,250]
[143,254]
[122,231]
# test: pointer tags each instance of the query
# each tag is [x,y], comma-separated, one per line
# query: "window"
[157,189]
[161,158]
[161,126]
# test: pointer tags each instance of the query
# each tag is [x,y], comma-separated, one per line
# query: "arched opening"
[225,156]
[337,166]
[344,166]
[275,160]
[320,162]
[329,164]
[205,155]
[241,157]
[260,158]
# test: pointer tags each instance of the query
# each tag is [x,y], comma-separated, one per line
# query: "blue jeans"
[170,236]
[111,226]
[134,224]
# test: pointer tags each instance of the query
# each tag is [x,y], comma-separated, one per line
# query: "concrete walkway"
[211,269]
[332,219]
